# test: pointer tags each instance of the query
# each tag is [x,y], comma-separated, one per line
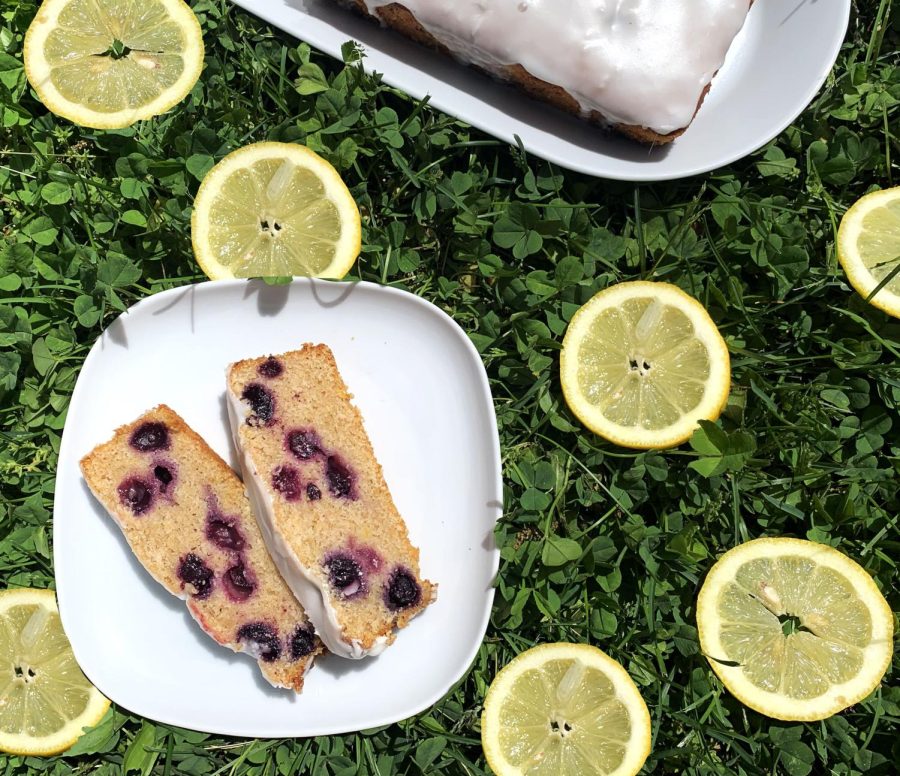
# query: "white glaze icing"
[643,62]
[302,583]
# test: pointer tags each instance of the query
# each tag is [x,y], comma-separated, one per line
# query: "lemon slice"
[45,700]
[274,209]
[109,63]
[642,362]
[794,629]
[868,247]
[565,710]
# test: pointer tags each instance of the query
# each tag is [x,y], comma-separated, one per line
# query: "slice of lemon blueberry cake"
[324,508]
[186,516]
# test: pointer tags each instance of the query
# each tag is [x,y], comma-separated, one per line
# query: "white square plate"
[424,395]
[774,68]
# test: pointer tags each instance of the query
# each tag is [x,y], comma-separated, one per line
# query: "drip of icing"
[642,62]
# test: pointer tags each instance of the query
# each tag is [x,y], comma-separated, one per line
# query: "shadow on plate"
[328,294]
[499,96]
[187,294]
[270,300]
[341,666]
[797,7]
[232,460]
[115,333]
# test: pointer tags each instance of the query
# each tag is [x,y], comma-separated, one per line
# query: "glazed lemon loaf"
[186,516]
[642,67]
[322,502]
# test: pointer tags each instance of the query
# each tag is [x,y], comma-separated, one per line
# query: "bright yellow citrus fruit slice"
[109,63]
[564,710]
[795,630]
[868,247]
[642,362]
[45,699]
[275,209]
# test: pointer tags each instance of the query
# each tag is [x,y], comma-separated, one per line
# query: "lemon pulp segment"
[562,709]
[109,63]
[642,362]
[794,629]
[869,247]
[275,209]
[45,699]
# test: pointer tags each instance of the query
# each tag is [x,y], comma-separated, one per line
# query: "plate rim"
[66,605]
[652,175]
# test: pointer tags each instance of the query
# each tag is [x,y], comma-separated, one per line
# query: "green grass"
[599,544]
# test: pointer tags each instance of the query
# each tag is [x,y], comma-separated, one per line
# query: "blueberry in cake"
[186,516]
[319,493]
